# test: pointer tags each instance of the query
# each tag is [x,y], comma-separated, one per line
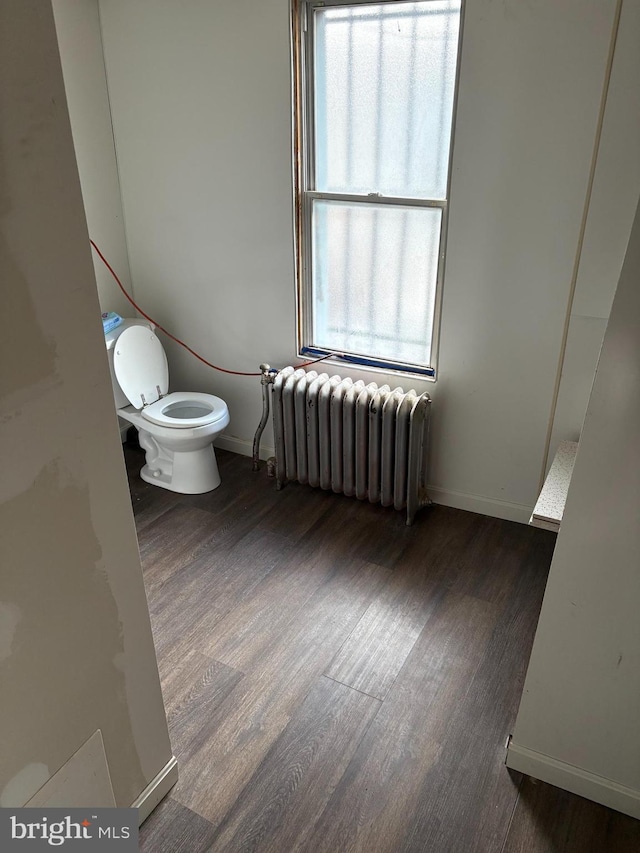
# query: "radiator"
[351,438]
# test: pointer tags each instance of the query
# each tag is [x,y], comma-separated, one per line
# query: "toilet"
[175,430]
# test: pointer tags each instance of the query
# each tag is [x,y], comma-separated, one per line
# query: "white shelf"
[549,508]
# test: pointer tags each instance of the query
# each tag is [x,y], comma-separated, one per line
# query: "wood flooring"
[335,681]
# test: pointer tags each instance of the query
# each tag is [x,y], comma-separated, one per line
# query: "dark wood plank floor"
[335,681]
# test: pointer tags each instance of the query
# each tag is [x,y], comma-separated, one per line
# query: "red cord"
[173,337]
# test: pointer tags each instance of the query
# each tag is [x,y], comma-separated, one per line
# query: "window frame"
[305,192]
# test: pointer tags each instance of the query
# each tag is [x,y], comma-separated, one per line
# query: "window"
[375,98]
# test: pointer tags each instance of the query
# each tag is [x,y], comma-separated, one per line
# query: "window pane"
[374,279]
[384,86]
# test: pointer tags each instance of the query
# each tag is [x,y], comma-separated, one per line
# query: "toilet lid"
[140,365]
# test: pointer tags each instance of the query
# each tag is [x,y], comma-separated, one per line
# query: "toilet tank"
[110,340]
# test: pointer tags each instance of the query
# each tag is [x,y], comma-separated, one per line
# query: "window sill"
[356,362]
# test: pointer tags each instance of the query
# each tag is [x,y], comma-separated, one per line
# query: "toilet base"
[191,472]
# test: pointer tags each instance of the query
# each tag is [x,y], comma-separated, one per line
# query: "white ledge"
[549,508]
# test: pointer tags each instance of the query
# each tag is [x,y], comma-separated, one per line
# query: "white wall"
[616,189]
[76,652]
[80,41]
[201,102]
[577,726]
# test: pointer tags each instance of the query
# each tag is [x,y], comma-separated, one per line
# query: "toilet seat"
[179,410]
[140,365]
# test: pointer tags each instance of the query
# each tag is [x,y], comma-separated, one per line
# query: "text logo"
[29,830]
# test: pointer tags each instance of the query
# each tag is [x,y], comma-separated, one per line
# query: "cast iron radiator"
[352,438]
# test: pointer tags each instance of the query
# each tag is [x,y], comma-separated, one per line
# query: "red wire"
[173,337]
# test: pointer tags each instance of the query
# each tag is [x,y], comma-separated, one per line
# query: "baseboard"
[574,779]
[241,446]
[480,504]
[447,497]
[156,790]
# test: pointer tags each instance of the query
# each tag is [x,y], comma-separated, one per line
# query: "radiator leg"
[265,381]
[411,513]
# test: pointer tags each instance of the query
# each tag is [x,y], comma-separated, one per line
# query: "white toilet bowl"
[176,430]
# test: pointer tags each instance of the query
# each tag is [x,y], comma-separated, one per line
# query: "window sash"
[377,198]
[310,347]
[304,96]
